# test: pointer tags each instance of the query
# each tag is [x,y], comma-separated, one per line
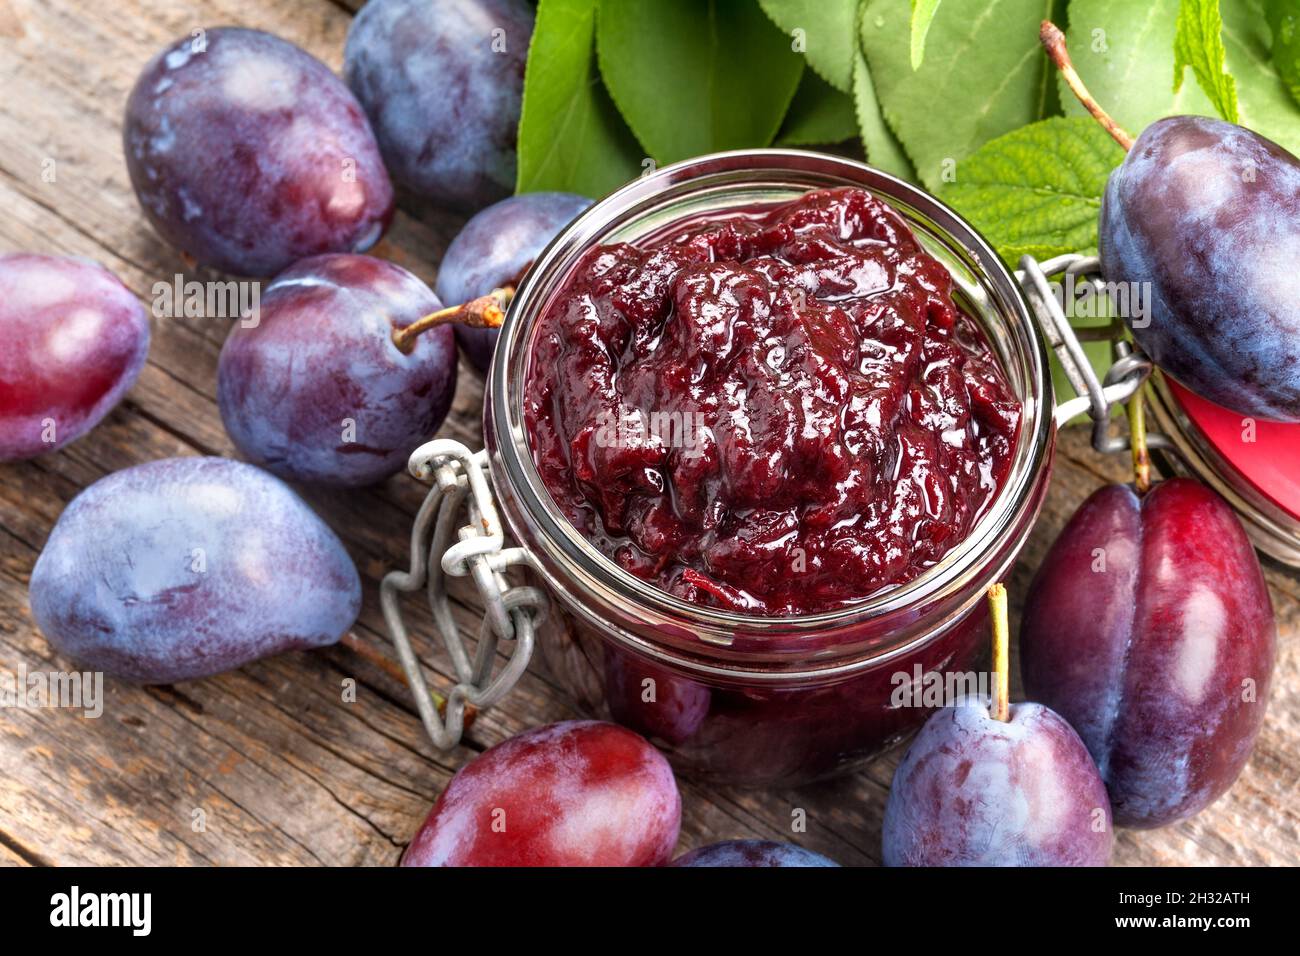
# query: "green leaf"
[883,150]
[1037,190]
[984,75]
[1124,52]
[696,76]
[825,34]
[819,114]
[1198,43]
[571,138]
[923,12]
[1284,21]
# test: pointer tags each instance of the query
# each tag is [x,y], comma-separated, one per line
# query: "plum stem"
[1137,439]
[367,652]
[1001,705]
[485,312]
[1053,40]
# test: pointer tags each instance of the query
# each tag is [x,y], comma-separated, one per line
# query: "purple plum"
[753,853]
[442,81]
[316,389]
[576,793]
[1205,217]
[75,340]
[976,791]
[248,154]
[494,249]
[187,567]
[1149,628]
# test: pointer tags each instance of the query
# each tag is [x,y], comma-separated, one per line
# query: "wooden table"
[282,769]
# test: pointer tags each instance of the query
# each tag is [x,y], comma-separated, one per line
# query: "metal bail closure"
[1125,376]
[457,532]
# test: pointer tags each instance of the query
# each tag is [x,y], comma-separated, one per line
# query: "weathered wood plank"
[282,768]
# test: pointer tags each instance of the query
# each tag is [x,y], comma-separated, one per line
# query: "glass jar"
[764,700]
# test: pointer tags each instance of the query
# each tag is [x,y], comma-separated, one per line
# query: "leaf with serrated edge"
[1037,190]
[696,76]
[827,32]
[571,138]
[1198,43]
[984,74]
[1124,53]
[819,114]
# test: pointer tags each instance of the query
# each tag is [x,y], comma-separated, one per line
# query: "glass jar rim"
[636,202]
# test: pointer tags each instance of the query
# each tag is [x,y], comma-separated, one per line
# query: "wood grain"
[270,764]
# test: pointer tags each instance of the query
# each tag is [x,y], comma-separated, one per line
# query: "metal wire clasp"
[1095,396]
[457,532]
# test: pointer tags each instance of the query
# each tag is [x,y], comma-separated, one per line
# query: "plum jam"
[764,426]
[774,411]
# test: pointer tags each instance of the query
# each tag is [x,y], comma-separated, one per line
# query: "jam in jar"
[773,414]
[767,424]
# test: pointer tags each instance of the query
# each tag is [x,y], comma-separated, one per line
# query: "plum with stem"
[1205,216]
[997,784]
[334,382]
[494,250]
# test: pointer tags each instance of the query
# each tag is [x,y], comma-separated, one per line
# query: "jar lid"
[1266,454]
